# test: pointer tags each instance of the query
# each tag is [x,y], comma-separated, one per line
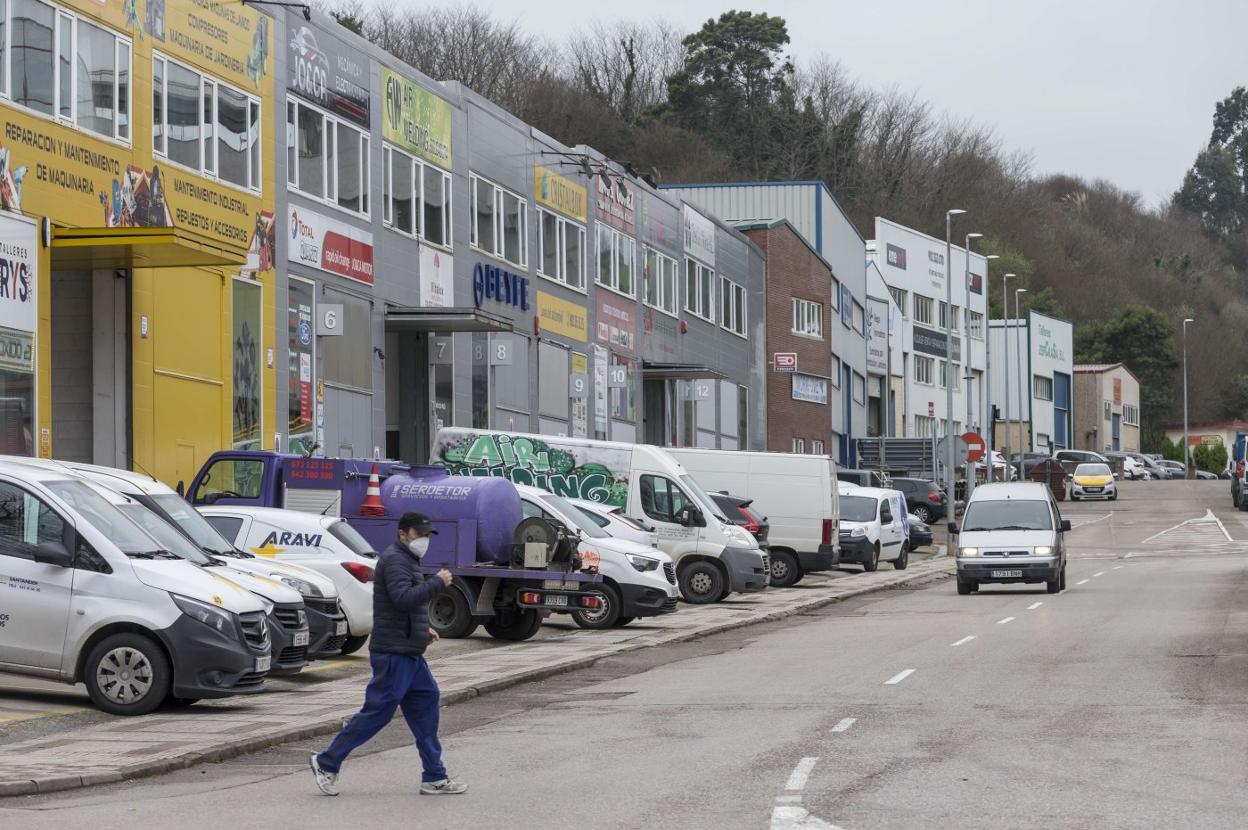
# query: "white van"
[90,598]
[873,527]
[713,556]
[797,493]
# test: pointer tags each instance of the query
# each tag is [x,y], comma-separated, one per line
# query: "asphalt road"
[1121,703]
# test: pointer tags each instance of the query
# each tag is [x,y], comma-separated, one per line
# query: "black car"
[920,533]
[737,510]
[924,499]
[1024,462]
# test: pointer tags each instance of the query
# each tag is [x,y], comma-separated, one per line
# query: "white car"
[325,544]
[873,528]
[612,519]
[1093,481]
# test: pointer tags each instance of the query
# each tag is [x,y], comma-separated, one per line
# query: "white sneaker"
[326,782]
[447,786]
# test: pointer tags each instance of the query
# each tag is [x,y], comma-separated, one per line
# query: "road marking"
[1198,528]
[796,818]
[1098,573]
[1090,521]
[1081,582]
[964,640]
[844,724]
[898,677]
[797,781]
[1116,568]
[788,799]
[1004,621]
[1222,527]
[1034,606]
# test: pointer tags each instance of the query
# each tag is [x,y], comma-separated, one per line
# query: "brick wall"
[794,270]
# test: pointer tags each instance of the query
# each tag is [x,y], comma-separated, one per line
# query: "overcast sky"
[1116,89]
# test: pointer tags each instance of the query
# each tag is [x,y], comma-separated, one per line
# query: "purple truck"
[509,571]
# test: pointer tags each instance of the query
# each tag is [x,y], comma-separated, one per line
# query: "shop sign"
[810,389]
[895,256]
[489,282]
[600,392]
[877,336]
[315,473]
[977,283]
[697,390]
[1047,346]
[562,317]
[579,388]
[932,342]
[784,362]
[617,323]
[415,119]
[615,202]
[437,278]
[321,242]
[325,71]
[17,351]
[699,235]
[560,194]
[931,409]
[18,274]
[654,229]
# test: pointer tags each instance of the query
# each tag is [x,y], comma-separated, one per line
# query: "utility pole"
[950,490]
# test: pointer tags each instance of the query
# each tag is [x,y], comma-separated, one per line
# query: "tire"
[923,513]
[605,617]
[785,570]
[701,583]
[873,561]
[899,564]
[450,615]
[1062,578]
[964,587]
[1114,497]
[514,624]
[353,644]
[1054,585]
[145,668]
[623,621]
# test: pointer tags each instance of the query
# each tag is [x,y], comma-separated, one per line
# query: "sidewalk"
[213,730]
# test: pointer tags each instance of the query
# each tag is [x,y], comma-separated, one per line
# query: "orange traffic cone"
[372,505]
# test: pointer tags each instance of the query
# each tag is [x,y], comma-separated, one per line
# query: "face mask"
[418,546]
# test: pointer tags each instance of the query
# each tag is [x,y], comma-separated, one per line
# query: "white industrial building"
[1041,355]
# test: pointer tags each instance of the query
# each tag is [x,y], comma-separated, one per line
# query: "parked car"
[920,533]
[740,511]
[925,500]
[1023,462]
[1155,470]
[1174,468]
[1132,468]
[1011,533]
[863,478]
[1205,475]
[612,519]
[1093,481]
[872,528]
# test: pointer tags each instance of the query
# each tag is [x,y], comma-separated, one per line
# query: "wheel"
[964,587]
[701,582]
[353,644]
[514,624]
[127,674]
[623,621]
[606,615]
[873,561]
[1062,578]
[923,513]
[450,616]
[784,569]
[1054,585]
[1114,497]
[901,561]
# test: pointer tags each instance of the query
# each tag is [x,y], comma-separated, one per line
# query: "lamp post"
[966,351]
[949,465]
[1005,367]
[1187,457]
[985,392]
[1018,334]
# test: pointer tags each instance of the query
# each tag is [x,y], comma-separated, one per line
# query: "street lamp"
[985,392]
[966,350]
[1018,334]
[1187,458]
[949,465]
[1005,366]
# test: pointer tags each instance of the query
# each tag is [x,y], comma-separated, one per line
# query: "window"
[25,522]
[957,375]
[923,308]
[1043,388]
[239,478]
[836,296]
[899,297]
[499,221]
[617,258]
[416,197]
[561,249]
[799,446]
[807,318]
[944,314]
[205,125]
[67,67]
[1131,414]
[227,526]
[957,315]
[661,499]
[975,324]
[860,318]
[924,426]
[327,159]
[699,285]
[732,306]
[860,388]
[816,447]
[660,281]
[923,370]
[622,400]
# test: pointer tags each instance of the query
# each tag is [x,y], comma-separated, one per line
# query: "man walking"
[401,677]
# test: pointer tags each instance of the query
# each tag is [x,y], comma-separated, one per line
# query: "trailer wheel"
[514,624]
[604,616]
[450,615]
[701,583]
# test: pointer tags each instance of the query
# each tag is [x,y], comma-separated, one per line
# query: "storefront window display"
[246,351]
[302,370]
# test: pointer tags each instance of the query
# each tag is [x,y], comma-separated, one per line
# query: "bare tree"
[625,64]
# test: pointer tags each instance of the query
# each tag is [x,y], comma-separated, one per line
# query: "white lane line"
[1221,527]
[1091,521]
[898,677]
[797,781]
[788,799]
[793,817]
[844,724]
[1004,621]
[1034,606]
[1116,568]
[1081,582]
[1098,573]
[963,641]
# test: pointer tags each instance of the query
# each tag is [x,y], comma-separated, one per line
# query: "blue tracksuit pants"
[398,682]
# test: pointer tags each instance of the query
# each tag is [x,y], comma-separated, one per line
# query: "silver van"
[1011,533]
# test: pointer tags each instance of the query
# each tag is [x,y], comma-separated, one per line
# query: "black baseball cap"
[416,521]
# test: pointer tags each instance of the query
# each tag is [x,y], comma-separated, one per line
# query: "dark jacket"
[401,597]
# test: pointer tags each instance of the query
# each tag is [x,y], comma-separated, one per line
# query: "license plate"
[263,663]
[340,628]
[1006,574]
[556,599]
[1092,489]
[301,638]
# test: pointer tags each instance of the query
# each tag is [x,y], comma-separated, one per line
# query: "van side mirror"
[953,529]
[53,553]
[1065,525]
[690,516]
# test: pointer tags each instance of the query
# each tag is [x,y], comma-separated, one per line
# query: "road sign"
[784,362]
[960,449]
[975,446]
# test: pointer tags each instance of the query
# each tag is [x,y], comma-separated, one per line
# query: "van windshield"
[573,514]
[165,534]
[106,518]
[1007,514]
[704,501]
[857,509]
[192,523]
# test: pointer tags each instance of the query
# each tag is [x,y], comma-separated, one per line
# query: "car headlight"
[642,563]
[858,531]
[968,551]
[305,588]
[1043,550]
[215,618]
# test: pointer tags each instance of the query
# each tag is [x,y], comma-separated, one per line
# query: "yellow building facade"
[137,300]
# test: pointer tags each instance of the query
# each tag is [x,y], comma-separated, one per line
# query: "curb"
[60,783]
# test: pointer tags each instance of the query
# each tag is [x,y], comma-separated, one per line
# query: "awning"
[680,371]
[104,248]
[445,320]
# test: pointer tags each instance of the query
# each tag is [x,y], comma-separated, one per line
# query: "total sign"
[329,245]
